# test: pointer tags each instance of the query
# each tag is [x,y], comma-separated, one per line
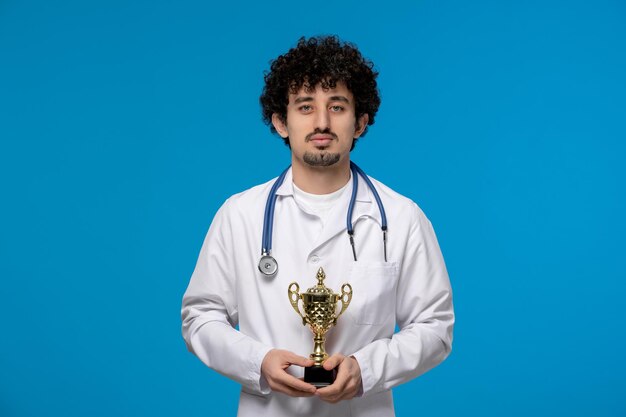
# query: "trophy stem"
[316,375]
[319,353]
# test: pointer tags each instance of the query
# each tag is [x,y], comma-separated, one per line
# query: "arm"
[424,314]
[210,312]
[210,315]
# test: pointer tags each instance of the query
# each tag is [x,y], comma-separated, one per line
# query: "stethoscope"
[268,265]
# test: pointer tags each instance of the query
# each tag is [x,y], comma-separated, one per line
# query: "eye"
[336,109]
[305,108]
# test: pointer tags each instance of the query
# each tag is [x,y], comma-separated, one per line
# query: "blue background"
[124,126]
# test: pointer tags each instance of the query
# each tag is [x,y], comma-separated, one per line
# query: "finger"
[336,388]
[298,360]
[333,361]
[329,398]
[329,393]
[291,391]
[339,389]
[291,381]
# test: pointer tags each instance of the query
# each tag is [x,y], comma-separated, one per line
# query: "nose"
[322,120]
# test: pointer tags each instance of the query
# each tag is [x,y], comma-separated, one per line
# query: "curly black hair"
[323,60]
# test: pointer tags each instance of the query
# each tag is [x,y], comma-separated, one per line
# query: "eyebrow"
[340,98]
[305,99]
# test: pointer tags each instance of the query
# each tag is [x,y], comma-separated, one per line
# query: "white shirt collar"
[362,194]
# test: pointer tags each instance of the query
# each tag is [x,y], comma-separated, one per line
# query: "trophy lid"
[320,288]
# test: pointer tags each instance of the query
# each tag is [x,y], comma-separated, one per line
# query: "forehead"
[317,92]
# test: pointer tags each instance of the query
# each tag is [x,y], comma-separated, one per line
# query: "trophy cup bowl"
[319,304]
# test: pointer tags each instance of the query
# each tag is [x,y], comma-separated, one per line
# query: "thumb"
[333,361]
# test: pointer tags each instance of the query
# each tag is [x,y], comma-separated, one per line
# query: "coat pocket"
[374,291]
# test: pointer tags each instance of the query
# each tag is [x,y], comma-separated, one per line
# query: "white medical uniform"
[411,290]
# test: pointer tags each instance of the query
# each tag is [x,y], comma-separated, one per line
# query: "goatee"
[323,159]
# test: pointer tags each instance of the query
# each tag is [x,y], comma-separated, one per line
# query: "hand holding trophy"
[319,303]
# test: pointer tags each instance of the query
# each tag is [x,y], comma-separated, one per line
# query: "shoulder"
[398,206]
[405,218]
[247,200]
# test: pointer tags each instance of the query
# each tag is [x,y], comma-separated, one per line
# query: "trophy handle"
[346,297]
[294,297]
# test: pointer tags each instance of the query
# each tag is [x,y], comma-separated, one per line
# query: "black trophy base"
[319,377]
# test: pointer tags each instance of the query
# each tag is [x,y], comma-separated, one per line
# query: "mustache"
[308,137]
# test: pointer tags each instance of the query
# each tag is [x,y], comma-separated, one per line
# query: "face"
[321,125]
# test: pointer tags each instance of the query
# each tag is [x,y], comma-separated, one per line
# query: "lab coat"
[411,289]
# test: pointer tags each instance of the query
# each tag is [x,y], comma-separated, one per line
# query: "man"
[320,97]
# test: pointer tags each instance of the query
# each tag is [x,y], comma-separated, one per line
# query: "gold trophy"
[320,304]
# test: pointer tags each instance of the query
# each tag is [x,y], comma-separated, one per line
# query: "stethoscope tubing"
[379,202]
[268,220]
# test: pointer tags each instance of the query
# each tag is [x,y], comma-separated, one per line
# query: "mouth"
[321,140]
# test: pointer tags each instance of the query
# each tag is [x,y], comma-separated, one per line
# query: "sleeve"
[424,314]
[210,312]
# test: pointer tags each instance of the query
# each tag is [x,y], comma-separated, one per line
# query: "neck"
[320,180]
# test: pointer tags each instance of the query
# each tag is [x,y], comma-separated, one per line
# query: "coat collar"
[337,217]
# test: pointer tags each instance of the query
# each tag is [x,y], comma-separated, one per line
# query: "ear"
[279,125]
[361,124]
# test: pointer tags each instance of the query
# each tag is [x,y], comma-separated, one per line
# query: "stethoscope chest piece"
[268,266]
